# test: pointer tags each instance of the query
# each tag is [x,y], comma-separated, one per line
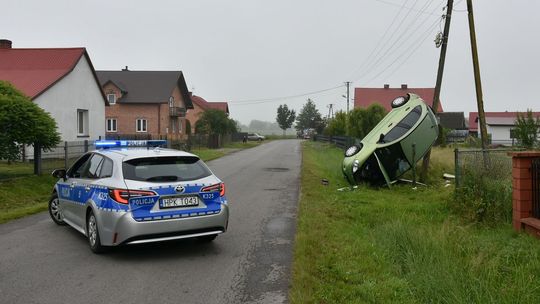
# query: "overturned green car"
[402,138]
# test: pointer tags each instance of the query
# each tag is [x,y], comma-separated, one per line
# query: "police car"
[123,193]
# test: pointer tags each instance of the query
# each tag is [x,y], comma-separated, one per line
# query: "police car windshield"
[165,169]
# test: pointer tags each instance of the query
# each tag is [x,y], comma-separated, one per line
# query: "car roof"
[122,154]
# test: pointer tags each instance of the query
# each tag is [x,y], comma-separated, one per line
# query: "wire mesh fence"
[491,163]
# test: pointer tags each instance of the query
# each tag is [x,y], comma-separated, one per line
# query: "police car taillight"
[217,187]
[122,196]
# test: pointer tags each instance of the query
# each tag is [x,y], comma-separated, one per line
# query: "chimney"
[5,44]
[386,86]
[126,69]
[403,86]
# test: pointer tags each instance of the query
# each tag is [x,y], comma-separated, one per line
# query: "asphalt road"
[41,262]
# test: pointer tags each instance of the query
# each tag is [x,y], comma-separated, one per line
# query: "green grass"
[24,196]
[401,245]
[15,169]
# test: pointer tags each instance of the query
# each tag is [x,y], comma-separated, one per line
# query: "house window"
[82,122]
[111,98]
[141,125]
[171,102]
[111,125]
[180,125]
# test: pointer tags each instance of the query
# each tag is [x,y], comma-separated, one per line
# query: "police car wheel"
[207,238]
[93,234]
[54,211]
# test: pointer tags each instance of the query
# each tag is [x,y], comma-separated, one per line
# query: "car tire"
[92,233]
[54,211]
[400,101]
[259,139]
[207,238]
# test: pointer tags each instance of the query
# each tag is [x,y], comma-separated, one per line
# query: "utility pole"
[330,111]
[477,81]
[435,103]
[348,83]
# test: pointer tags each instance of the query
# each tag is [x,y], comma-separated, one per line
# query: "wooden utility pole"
[437,93]
[348,83]
[477,81]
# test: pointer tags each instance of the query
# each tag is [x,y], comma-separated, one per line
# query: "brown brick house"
[200,105]
[145,104]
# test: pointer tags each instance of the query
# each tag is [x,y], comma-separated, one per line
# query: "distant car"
[116,196]
[255,136]
[387,151]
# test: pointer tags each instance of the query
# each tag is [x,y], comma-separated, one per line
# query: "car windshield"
[165,169]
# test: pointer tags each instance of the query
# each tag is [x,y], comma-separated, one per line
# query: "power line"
[265,100]
[411,8]
[391,49]
[380,40]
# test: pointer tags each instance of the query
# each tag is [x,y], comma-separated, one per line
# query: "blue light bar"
[104,144]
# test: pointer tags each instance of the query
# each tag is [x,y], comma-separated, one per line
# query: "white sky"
[251,49]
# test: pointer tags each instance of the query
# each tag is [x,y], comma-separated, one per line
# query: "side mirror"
[59,173]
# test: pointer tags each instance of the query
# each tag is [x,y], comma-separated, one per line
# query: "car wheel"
[93,233]
[400,101]
[54,210]
[207,238]
[260,139]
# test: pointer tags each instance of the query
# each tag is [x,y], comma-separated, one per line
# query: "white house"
[63,82]
[498,125]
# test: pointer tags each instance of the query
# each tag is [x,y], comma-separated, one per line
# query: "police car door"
[67,193]
[83,188]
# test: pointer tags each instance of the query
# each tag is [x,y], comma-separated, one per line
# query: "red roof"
[201,102]
[473,118]
[33,71]
[364,97]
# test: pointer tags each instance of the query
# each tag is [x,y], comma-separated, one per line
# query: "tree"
[526,130]
[310,118]
[23,122]
[285,117]
[337,125]
[215,122]
[362,121]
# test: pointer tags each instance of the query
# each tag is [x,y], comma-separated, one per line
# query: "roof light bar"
[104,144]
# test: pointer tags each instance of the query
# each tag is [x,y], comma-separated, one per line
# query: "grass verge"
[400,246]
[24,194]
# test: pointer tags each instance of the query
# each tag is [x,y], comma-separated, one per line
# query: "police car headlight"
[352,150]
[355,165]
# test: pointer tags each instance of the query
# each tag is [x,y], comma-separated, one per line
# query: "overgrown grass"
[400,245]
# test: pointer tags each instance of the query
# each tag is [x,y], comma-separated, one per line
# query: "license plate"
[177,202]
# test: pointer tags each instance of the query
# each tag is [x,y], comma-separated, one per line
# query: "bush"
[485,192]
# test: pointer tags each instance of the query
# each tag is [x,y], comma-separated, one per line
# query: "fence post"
[66,155]
[457,165]
[37,159]
[85,145]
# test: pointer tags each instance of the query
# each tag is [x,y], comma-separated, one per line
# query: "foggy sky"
[246,51]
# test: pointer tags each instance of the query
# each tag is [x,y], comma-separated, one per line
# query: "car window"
[403,126]
[393,160]
[93,167]
[165,169]
[79,166]
[106,168]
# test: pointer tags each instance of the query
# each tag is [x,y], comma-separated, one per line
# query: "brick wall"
[522,192]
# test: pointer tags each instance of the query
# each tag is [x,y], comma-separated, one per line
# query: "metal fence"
[342,142]
[492,163]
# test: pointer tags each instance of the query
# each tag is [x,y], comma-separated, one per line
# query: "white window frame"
[113,98]
[111,125]
[143,125]
[82,114]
